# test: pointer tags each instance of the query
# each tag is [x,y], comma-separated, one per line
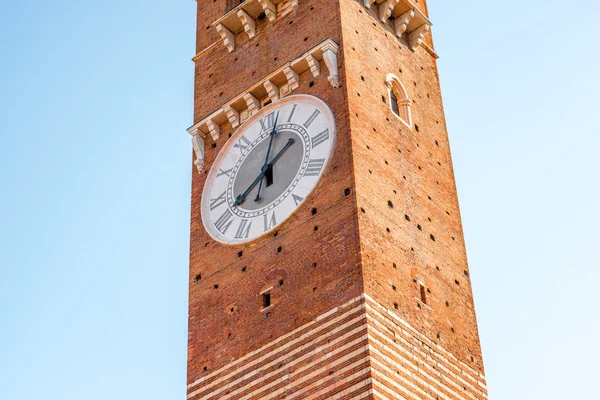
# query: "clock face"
[267,169]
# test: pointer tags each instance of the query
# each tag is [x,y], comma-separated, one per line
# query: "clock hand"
[242,197]
[263,169]
[290,142]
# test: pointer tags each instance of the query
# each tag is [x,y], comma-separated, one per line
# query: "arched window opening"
[399,101]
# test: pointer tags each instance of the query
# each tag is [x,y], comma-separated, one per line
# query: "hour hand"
[287,146]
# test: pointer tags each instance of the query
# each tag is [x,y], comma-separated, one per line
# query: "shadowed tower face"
[327,256]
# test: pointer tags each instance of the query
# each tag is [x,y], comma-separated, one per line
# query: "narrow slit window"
[266,300]
[423,294]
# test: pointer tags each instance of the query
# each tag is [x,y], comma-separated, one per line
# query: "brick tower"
[363,291]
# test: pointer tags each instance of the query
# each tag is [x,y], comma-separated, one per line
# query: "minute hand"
[266,164]
[242,197]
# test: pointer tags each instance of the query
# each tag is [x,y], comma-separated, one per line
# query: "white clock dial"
[267,169]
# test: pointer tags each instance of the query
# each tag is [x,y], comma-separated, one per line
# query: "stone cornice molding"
[277,85]
[244,17]
[407,19]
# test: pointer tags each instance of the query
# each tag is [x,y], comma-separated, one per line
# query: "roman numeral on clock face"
[227,172]
[292,113]
[297,199]
[224,221]
[314,167]
[243,231]
[320,138]
[269,222]
[215,203]
[242,144]
[312,118]
[267,122]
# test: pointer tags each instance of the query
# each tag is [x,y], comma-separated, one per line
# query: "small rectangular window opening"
[266,300]
[423,294]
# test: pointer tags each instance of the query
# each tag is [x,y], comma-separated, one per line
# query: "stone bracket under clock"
[198,146]
[275,86]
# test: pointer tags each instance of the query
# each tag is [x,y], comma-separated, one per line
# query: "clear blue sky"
[95,178]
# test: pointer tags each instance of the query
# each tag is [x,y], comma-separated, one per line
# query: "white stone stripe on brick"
[327,314]
[273,343]
[285,354]
[334,342]
[406,382]
[398,349]
[458,374]
[321,383]
[413,376]
[363,395]
[380,385]
[286,345]
[435,348]
[381,396]
[364,384]
[416,370]
[418,334]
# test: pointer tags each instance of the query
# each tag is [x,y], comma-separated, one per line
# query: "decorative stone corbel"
[330,57]
[314,65]
[286,7]
[213,128]
[292,78]
[272,90]
[401,23]
[368,3]
[244,115]
[386,8]
[253,104]
[416,37]
[232,115]
[198,145]
[269,8]
[195,130]
[228,37]
[248,23]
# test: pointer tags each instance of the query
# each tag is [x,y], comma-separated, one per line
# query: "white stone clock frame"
[212,174]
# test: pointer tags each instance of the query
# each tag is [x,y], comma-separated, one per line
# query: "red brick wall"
[412,170]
